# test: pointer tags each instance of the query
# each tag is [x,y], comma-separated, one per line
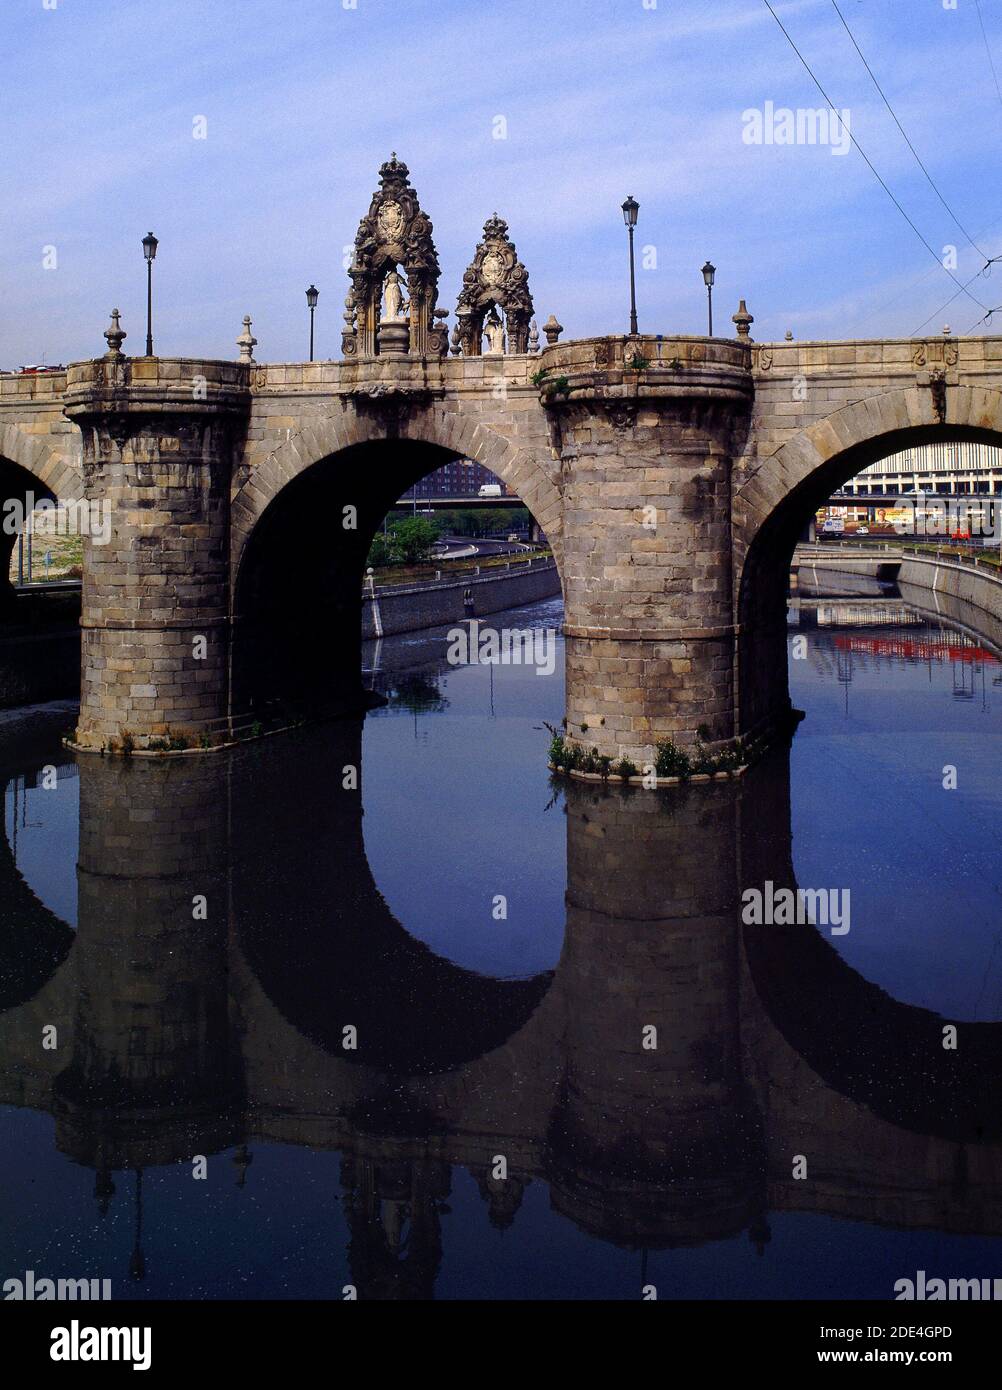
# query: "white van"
[489,490]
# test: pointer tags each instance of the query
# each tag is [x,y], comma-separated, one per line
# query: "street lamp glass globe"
[312,295]
[630,209]
[150,245]
[708,273]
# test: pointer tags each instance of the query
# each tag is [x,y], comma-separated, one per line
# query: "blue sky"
[304,99]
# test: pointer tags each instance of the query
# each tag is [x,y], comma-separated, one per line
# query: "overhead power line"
[869,163]
[912,285]
[984,319]
[918,160]
[936,312]
[991,60]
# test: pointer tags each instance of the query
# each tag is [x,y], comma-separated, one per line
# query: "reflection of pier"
[184,1036]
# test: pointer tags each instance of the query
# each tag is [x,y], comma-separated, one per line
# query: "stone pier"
[646,451]
[159,440]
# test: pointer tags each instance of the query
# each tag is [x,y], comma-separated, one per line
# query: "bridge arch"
[774,499]
[457,436]
[53,471]
[28,466]
[297,568]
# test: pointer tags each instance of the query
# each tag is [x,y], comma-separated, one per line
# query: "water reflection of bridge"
[182,1036]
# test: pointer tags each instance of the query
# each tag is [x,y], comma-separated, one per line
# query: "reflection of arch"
[776,498]
[34,942]
[875,1050]
[326,948]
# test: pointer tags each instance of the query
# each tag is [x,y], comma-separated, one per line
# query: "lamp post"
[312,295]
[630,209]
[149,251]
[709,271]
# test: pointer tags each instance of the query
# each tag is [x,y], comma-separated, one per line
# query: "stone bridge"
[672,476]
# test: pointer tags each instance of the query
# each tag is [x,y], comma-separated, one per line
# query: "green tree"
[380,551]
[411,540]
[501,521]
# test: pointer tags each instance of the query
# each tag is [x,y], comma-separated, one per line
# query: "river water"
[381,1006]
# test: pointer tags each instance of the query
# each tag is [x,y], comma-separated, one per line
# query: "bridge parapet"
[31,386]
[894,355]
[155,386]
[646,368]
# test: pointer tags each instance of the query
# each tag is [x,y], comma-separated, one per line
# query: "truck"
[489,490]
[834,526]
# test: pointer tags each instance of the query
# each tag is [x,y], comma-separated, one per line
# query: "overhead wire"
[904,133]
[991,60]
[869,163]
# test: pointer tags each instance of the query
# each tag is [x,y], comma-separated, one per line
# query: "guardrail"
[50,586]
[446,577]
[989,563]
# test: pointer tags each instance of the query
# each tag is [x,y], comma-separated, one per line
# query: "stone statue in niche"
[494,333]
[394,307]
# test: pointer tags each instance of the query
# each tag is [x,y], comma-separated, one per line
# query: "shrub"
[565,756]
[703,761]
[670,760]
[626,769]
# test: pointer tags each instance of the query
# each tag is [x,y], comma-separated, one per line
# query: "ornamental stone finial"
[246,342]
[116,335]
[743,320]
[534,336]
[552,329]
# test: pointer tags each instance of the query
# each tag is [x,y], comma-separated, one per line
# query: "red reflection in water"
[908,649]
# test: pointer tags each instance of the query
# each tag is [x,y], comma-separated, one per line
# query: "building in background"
[457,478]
[951,468]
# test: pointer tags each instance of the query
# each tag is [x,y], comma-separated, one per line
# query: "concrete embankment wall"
[434,605]
[815,570]
[959,593]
